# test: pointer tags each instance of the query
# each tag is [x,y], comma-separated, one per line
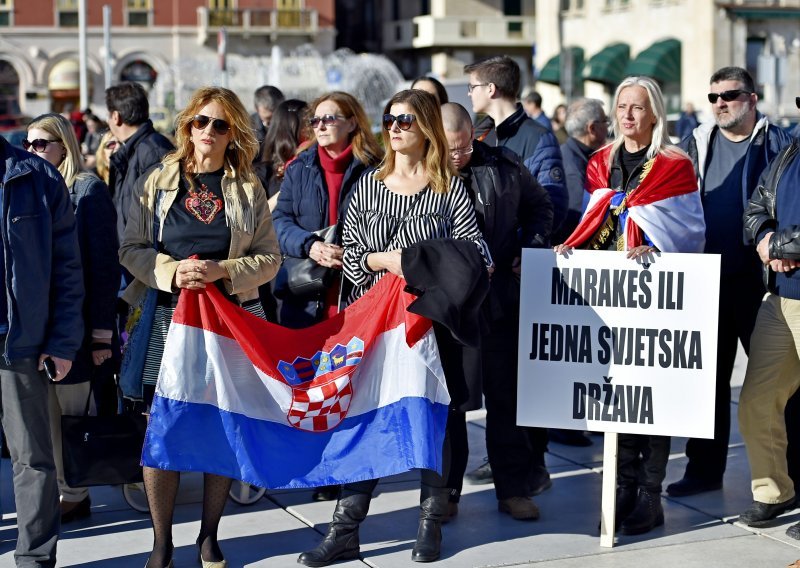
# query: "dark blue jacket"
[96,221]
[539,151]
[303,208]
[43,278]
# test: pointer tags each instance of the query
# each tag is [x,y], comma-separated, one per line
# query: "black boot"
[341,540]
[626,503]
[647,515]
[432,509]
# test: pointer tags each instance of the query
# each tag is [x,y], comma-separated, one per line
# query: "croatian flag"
[356,397]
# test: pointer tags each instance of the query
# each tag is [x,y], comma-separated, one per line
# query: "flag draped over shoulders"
[665,205]
[359,396]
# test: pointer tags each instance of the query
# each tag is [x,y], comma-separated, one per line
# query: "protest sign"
[610,344]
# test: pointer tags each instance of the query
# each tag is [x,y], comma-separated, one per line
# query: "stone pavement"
[700,531]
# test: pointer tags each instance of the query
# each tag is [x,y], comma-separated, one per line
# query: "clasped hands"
[326,254]
[193,274]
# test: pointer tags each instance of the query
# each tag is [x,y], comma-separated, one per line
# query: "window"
[290,13]
[67,13]
[6,9]
[222,4]
[223,13]
[512,7]
[139,12]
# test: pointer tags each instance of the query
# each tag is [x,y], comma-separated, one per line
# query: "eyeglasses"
[110,145]
[471,87]
[727,96]
[326,119]
[39,145]
[456,153]
[797,102]
[221,127]
[404,121]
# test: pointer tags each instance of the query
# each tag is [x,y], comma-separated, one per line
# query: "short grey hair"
[580,113]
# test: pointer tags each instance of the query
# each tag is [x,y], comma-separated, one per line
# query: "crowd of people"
[109,222]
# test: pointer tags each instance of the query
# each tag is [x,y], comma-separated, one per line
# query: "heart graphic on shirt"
[203,204]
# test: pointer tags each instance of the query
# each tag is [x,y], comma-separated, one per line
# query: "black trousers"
[642,461]
[459,452]
[515,452]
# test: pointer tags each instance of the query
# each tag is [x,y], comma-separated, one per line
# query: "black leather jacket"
[760,215]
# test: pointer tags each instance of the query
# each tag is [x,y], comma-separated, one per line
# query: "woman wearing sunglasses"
[415,195]
[52,137]
[644,199]
[208,215]
[315,194]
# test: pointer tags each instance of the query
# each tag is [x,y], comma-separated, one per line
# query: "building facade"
[169,46]
[586,47]
[439,37]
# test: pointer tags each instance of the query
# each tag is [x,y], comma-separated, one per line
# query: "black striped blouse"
[380,220]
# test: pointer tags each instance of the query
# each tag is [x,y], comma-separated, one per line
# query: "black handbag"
[304,276]
[102,450]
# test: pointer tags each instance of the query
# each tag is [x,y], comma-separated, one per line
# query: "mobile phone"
[50,368]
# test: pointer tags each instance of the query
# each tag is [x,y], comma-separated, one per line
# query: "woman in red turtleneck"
[315,193]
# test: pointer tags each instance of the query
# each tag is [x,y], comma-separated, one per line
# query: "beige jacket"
[254,256]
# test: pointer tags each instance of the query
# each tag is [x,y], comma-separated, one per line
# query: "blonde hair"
[659,141]
[428,117]
[365,147]
[100,156]
[243,146]
[59,127]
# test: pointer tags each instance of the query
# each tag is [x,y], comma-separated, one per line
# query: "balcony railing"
[258,21]
[429,31]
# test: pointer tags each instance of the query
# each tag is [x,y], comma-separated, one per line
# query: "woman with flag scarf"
[644,199]
[200,218]
[413,196]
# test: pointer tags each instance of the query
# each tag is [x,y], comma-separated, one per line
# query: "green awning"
[661,61]
[551,72]
[608,65]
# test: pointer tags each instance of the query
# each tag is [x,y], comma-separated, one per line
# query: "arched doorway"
[9,89]
[64,85]
[139,71]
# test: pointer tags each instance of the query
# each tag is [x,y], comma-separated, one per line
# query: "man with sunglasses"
[140,145]
[41,294]
[729,156]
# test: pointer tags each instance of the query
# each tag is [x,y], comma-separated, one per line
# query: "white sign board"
[610,344]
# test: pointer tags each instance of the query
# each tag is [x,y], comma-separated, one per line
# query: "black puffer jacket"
[760,215]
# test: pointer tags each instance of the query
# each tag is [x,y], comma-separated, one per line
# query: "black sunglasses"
[797,102]
[200,121]
[404,121]
[727,96]
[326,119]
[40,144]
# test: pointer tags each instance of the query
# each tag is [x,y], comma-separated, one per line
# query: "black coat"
[96,222]
[450,278]
[519,215]
[134,157]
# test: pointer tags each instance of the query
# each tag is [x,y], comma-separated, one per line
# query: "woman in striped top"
[415,195]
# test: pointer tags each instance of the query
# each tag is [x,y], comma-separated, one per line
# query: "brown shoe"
[520,508]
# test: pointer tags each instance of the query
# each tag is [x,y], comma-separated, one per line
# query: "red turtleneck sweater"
[334,169]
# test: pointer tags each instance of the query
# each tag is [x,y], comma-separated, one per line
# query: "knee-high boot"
[341,540]
[432,509]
